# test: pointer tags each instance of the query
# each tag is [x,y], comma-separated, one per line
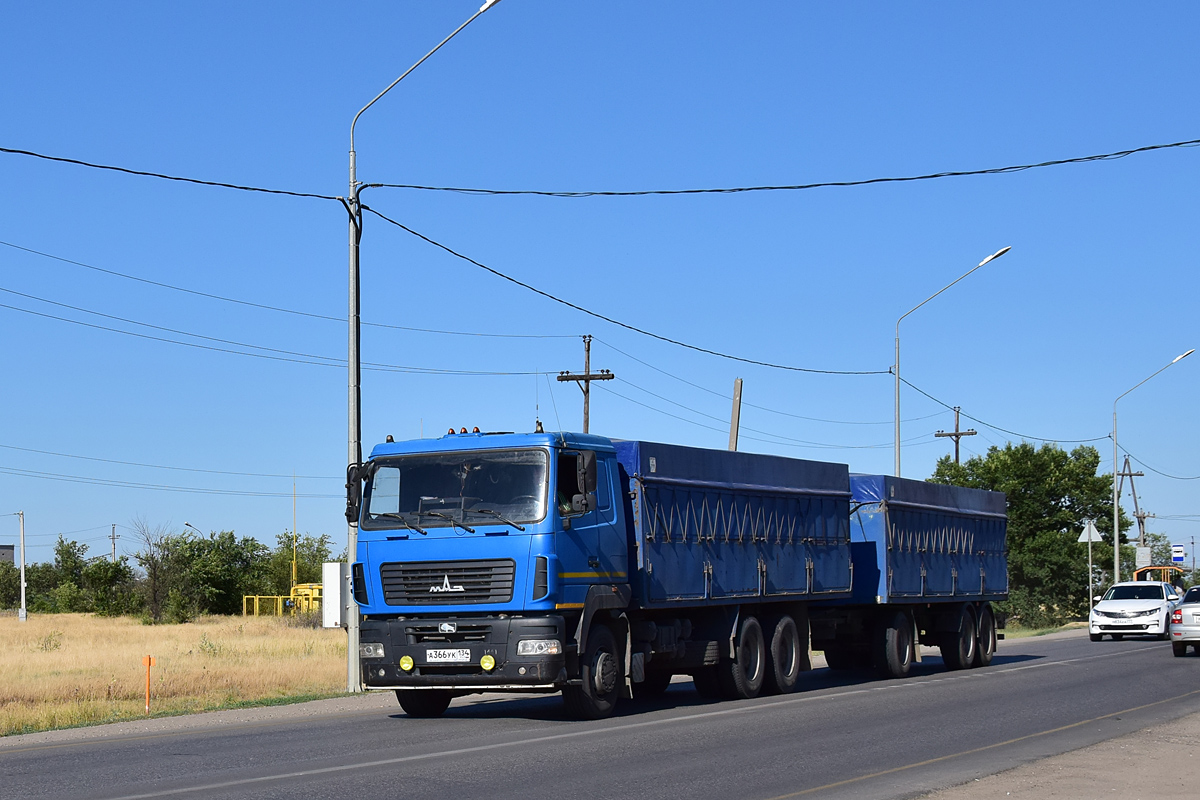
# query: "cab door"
[591,549]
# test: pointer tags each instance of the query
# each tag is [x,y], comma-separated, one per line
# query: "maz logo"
[446,587]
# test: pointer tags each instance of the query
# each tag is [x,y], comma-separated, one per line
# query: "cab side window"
[566,481]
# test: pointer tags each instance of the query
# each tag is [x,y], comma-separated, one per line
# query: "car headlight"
[370,650]
[539,647]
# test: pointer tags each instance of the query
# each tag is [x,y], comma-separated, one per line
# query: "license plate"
[448,656]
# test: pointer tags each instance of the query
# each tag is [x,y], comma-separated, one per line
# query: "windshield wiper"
[448,518]
[499,516]
[400,518]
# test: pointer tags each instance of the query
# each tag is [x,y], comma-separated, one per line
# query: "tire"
[707,684]
[985,646]
[893,644]
[653,687]
[1095,637]
[1179,649]
[783,657]
[742,678]
[424,703]
[958,647]
[600,670]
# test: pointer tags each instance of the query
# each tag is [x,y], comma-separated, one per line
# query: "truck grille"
[421,634]
[447,582]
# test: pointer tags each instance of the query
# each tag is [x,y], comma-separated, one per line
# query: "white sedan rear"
[1185,623]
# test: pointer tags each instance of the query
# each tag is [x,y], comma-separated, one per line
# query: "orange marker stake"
[149,662]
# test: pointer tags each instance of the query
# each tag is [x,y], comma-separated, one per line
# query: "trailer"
[560,562]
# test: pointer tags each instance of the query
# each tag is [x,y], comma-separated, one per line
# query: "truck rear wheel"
[893,646]
[601,671]
[958,646]
[424,702]
[987,638]
[783,669]
[742,678]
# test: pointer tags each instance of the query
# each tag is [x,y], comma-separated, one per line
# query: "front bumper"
[1135,626]
[487,635]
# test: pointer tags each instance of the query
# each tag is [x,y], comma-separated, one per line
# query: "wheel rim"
[904,643]
[750,654]
[604,673]
[790,659]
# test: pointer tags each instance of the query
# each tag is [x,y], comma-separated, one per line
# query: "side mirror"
[587,473]
[1097,599]
[1172,597]
[355,475]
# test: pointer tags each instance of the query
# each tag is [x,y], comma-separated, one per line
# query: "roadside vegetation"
[66,670]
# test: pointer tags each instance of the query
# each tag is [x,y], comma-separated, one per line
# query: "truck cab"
[476,556]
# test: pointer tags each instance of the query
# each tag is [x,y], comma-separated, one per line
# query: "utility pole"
[113,536]
[584,380]
[958,434]
[1138,514]
[23,614]
[735,421]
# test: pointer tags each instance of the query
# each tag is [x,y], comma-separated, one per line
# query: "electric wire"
[278,309]
[1156,471]
[162,176]
[780,441]
[165,466]
[725,396]
[27,473]
[800,186]
[300,358]
[997,427]
[611,320]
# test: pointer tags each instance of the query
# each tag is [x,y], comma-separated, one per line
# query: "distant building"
[8,553]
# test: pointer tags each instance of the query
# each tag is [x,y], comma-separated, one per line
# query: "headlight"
[539,647]
[370,650]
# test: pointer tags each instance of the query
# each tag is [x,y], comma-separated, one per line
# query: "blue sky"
[1097,293]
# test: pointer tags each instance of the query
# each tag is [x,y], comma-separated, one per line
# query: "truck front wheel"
[601,672]
[424,702]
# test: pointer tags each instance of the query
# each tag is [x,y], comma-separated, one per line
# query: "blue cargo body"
[914,541]
[719,527]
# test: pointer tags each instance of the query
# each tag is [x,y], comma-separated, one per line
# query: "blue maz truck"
[549,562]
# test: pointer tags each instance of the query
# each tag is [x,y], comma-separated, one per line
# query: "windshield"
[448,489]
[1148,592]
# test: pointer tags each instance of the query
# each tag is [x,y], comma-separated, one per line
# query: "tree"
[311,553]
[1051,493]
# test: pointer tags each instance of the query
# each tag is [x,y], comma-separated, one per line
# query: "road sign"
[1177,553]
[1089,534]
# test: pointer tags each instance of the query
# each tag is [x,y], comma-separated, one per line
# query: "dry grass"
[64,670]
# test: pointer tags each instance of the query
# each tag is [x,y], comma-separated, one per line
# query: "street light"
[193,527]
[355,364]
[23,613]
[992,257]
[1116,469]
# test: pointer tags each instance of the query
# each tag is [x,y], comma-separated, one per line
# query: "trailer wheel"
[424,702]
[653,687]
[958,647]
[742,678]
[600,670]
[783,669]
[707,684]
[986,647]
[893,646]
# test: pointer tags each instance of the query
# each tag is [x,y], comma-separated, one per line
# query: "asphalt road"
[842,736]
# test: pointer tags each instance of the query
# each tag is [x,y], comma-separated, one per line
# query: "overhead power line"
[918,389]
[1159,472]
[279,309]
[611,320]
[800,186]
[27,473]
[161,176]
[725,395]
[165,466]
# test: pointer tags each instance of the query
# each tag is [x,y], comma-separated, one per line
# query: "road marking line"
[985,748]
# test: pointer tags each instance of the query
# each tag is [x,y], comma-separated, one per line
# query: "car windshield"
[1148,592]
[506,487]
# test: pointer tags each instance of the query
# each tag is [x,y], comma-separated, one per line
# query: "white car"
[1138,608]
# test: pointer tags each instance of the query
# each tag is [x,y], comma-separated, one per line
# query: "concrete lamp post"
[1117,468]
[354,454]
[896,369]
